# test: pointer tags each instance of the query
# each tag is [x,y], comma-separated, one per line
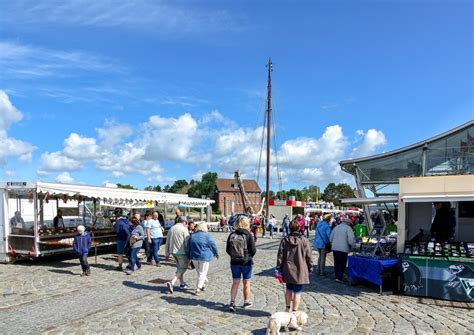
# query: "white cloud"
[169,138]
[206,145]
[26,158]
[81,148]
[8,113]
[212,116]
[25,61]
[65,178]
[13,147]
[127,159]
[57,161]
[9,173]
[113,133]
[373,139]
[156,16]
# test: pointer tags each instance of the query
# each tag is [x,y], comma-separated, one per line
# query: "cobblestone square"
[50,297]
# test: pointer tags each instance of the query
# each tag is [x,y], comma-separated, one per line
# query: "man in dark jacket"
[82,243]
[295,262]
[122,231]
[241,249]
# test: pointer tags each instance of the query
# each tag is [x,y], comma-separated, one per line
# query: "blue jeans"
[270,228]
[286,229]
[147,248]
[155,246]
[84,263]
[306,229]
[134,259]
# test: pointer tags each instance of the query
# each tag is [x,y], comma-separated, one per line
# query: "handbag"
[326,244]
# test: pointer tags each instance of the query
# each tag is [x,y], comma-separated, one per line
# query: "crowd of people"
[190,246]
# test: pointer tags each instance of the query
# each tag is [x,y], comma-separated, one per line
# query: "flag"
[279,276]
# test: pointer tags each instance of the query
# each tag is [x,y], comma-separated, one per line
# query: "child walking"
[82,243]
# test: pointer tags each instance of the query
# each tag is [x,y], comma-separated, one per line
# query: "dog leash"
[291,318]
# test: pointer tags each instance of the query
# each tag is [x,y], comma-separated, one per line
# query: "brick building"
[228,196]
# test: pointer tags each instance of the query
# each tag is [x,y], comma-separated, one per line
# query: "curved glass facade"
[448,153]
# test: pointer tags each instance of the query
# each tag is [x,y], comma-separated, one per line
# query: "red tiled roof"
[227,185]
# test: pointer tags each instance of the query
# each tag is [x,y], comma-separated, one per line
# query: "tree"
[205,188]
[178,186]
[126,186]
[311,193]
[156,188]
[334,193]
[296,193]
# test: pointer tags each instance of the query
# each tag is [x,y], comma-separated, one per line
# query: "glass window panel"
[451,155]
[20,213]
[405,164]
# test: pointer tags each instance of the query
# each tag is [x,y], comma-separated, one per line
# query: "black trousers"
[340,263]
[84,263]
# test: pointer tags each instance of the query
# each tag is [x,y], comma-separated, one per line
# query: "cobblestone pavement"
[50,297]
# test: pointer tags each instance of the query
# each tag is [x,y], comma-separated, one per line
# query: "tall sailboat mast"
[269,112]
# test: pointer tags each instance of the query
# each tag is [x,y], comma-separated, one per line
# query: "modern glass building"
[450,153]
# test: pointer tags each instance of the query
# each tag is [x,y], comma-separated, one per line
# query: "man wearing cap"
[342,241]
[176,241]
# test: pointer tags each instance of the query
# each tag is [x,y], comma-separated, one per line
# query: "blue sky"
[147,92]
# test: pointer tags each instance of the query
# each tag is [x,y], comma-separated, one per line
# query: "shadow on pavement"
[64,272]
[103,266]
[138,286]
[183,301]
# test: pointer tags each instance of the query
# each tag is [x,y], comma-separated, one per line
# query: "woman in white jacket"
[342,241]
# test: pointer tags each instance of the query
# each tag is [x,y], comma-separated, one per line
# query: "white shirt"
[155,228]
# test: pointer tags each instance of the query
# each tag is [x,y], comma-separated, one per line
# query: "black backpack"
[238,248]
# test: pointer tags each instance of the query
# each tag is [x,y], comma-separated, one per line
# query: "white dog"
[295,320]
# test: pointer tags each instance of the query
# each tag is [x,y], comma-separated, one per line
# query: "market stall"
[436,237]
[30,225]
[410,185]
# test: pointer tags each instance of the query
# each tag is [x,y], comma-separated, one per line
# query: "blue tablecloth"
[369,269]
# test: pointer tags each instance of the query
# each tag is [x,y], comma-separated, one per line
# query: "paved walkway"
[50,297]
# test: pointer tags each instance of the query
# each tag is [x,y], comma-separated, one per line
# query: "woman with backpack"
[241,249]
[295,263]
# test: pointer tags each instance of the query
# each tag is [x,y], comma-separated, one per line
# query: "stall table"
[372,270]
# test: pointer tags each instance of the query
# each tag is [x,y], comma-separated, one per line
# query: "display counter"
[444,277]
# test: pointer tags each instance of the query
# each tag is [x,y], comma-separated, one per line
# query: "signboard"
[438,277]
[11,185]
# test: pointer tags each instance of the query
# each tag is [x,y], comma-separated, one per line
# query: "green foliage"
[156,188]
[311,193]
[334,193]
[179,186]
[126,186]
[205,188]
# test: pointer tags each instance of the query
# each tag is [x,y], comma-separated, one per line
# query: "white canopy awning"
[374,200]
[437,197]
[117,195]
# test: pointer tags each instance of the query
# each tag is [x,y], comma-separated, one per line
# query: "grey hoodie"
[342,238]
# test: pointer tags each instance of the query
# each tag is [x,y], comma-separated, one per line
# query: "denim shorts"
[241,271]
[121,246]
[297,288]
